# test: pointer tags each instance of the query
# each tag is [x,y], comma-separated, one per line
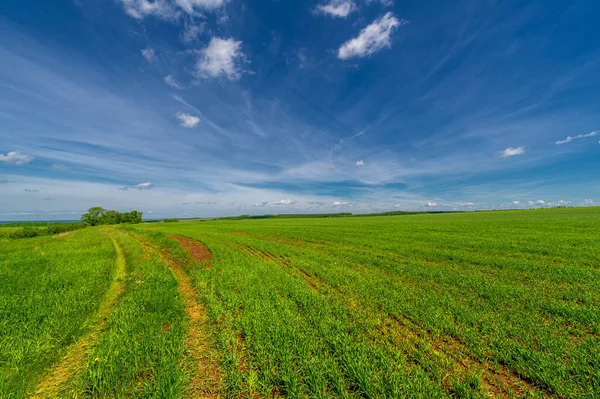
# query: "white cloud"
[337,8]
[192,30]
[170,80]
[57,166]
[335,204]
[579,136]
[284,202]
[385,3]
[540,202]
[149,54]
[168,9]
[317,203]
[371,39]
[431,204]
[516,203]
[220,58]
[360,163]
[261,204]
[187,120]
[141,186]
[206,202]
[190,6]
[15,158]
[588,202]
[530,202]
[139,9]
[510,152]
[31,190]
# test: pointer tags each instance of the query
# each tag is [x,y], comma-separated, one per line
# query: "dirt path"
[62,372]
[205,376]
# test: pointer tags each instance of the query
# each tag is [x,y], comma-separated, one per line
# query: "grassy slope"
[48,289]
[424,305]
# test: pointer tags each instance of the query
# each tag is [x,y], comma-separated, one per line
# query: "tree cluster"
[97,215]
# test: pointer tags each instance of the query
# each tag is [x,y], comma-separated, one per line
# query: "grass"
[48,289]
[426,305]
[472,305]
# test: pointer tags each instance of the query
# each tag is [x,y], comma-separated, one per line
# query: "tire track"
[205,376]
[62,372]
[499,381]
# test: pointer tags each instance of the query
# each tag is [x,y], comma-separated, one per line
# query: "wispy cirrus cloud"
[336,8]
[285,202]
[371,39]
[187,120]
[221,58]
[171,81]
[58,166]
[149,54]
[511,152]
[15,158]
[578,137]
[141,186]
[261,204]
[168,9]
[336,204]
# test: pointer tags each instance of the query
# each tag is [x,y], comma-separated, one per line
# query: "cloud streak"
[337,8]
[141,186]
[578,137]
[372,39]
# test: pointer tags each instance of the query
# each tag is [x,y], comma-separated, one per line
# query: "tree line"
[97,215]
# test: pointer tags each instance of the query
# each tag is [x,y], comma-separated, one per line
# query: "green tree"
[93,216]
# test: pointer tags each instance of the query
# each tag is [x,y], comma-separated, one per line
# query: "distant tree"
[97,216]
[93,216]
[110,217]
[131,217]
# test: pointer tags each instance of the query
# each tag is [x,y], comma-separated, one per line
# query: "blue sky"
[216,107]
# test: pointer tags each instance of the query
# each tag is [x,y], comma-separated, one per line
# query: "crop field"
[469,305]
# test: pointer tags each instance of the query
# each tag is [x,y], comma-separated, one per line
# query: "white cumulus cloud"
[261,204]
[431,204]
[337,8]
[360,163]
[579,136]
[588,202]
[187,120]
[15,158]
[516,203]
[373,38]
[510,152]
[221,58]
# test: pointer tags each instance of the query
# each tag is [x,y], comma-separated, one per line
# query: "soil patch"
[198,251]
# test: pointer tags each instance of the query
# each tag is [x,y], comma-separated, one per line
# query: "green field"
[469,305]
